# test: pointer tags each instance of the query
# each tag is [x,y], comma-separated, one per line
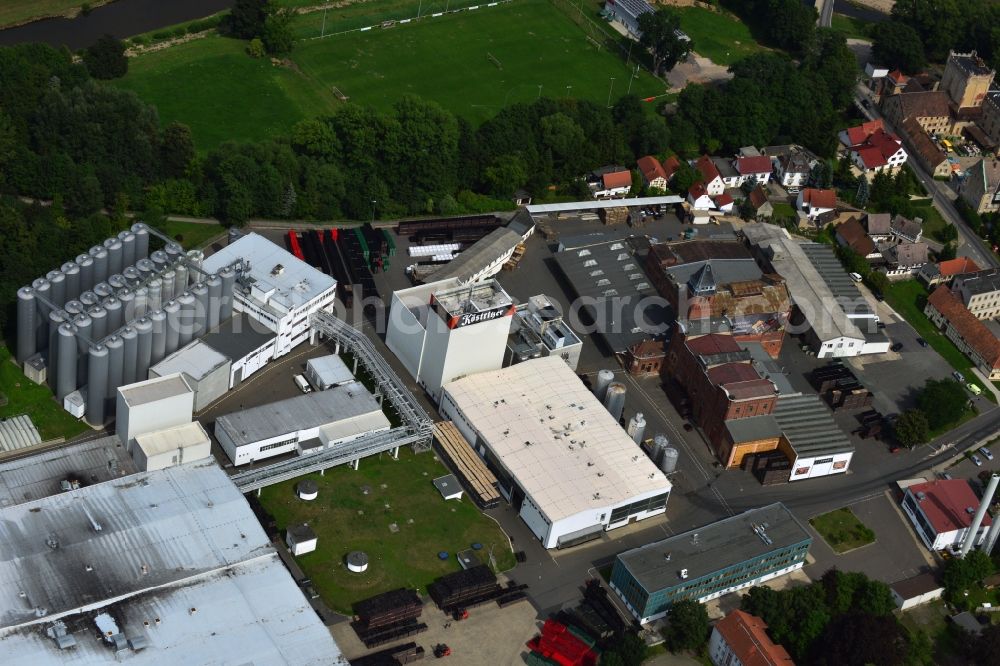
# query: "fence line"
[574,12]
[392,22]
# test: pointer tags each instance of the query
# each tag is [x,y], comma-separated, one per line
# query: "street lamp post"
[540,91]
[374,201]
[568,88]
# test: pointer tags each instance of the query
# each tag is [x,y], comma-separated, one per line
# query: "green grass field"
[192,234]
[851,28]
[354,15]
[842,530]
[933,222]
[26,397]
[719,36]
[14,12]
[400,493]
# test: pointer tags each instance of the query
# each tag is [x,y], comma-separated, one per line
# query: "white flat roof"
[535,209]
[330,369]
[560,443]
[295,283]
[155,389]
[171,439]
[196,360]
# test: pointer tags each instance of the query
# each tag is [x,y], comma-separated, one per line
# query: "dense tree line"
[925,30]
[786,24]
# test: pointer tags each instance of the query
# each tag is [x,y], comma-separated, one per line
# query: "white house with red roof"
[614,184]
[653,174]
[724,202]
[814,201]
[699,198]
[872,149]
[710,176]
[757,168]
[942,511]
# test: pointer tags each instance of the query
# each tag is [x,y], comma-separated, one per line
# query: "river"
[123,18]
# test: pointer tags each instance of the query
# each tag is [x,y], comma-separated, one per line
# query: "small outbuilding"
[301,539]
[449,487]
[327,371]
[307,489]
[917,590]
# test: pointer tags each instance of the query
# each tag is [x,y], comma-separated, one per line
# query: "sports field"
[211,85]
[718,36]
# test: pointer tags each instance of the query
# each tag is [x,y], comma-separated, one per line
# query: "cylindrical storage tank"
[130,340]
[228,277]
[141,302]
[27,315]
[214,284]
[116,366]
[614,399]
[86,264]
[83,339]
[188,303]
[155,289]
[604,378]
[141,232]
[72,272]
[307,489]
[168,277]
[637,427]
[146,268]
[233,235]
[97,386]
[127,298]
[128,248]
[200,293]
[158,348]
[180,280]
[132,276]
[56,319]
[103,290]
[172,332]
[66,357]
[117,281]
[43,296]
[174,251]
[115,260]
[116,319]
[74,307]
[159,259]
[89,299]
[144,350]
[195,257]
[57,283]
[100,255]
[660,443]
[668,463]
[98,322]
[357,561]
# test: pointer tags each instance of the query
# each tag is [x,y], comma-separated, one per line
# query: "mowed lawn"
[721,37]
[842,530]
[213,86]
[26,397]
[354,511]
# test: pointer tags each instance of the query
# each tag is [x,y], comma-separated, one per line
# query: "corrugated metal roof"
[809,426]
[482,253]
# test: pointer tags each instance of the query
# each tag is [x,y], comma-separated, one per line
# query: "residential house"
[928,155]
[759,202]
[814,201]
[969,334]
[851,234]
[613,184]
[670,167]
[904,260]
[725,203]
[853,136]
[981,188]
[652,172]
[754,168]
[881,151]
[931,110]
[905,230]
[699,197]
[741,638]
[942,273]
[710,176]
[793,170]
[879,226]
[979,292]
[990,122]
[727,171]
[891,83]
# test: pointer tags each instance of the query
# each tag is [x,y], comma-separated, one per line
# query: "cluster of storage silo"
[102,320]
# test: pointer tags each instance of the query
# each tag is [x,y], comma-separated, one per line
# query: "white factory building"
[561,459]
[444,330]
[277,290]
[151,405]
[162,567]
[304,424]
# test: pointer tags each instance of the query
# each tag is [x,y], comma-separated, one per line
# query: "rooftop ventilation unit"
[277,270]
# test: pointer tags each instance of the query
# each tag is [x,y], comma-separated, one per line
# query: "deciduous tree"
[687,625]
[105,59]
[660,35]
[911,428]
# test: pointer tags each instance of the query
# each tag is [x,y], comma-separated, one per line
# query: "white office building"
[561,459]
[445,330]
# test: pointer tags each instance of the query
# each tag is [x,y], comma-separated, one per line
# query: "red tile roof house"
[754,168]
[724,202]
[872,149]
[941,512]
[699,198]
[616,183]
[815,201]
[942,273]
[969,334]
[652,172]
[710,176]
[853,235]
[741,638]
[670,167]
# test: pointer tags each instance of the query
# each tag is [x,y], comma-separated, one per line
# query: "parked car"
[878,296]
[974,388]
[976,461]
[896,346]
[880,325]
[921,342]
[986,453]
[959,377]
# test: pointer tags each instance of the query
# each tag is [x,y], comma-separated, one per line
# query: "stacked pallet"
[515,258]
[562,645]
[407,653]
[388,617]
[614,215]
[450,592]
[469,466]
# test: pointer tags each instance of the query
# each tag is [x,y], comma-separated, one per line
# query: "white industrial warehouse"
[304,424]
[561,459]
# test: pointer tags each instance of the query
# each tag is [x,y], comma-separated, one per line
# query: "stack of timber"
[478,479]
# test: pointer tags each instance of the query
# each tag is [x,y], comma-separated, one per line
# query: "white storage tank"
[604,379]
[307,490]
[637,427]
[614,400]
[668,463]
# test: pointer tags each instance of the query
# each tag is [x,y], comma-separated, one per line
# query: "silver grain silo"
[144,351]
[117,281]
[188,303]
[146,268]
[637,427]
[128,248]
[116,317]
[141,301]
[200,293]
[141,232]
[668,463]
[159,259]
[83,339]
[173,311]
[27,315]
[195,257]
[168,277]
[98,322]
[155,289]
[660,444]
[604,378]
[214,284]
[180,280]
[56,319]
[103,290]
[174,251]
[115,262]
[66,357]
[97,385]
[228,277]
[116,365]
[43,297]
[131,342]
[74,307]
[233,235]
[127,298]
[86,264]
[89,299]
[132,276]
[57,281]
[158,349]
[614,399]
[100,255]
[72,273]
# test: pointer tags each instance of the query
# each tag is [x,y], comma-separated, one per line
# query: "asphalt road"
[825,13]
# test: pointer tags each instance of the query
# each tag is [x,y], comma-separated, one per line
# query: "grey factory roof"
[725,271]
[768,368]
[18,432]
[613,278]
[196,360]
[154,389]
[41,475]
[178,549]
[481,254]
[295,282]
[536,209]
[980,282]
[302,412]
[712,547]
[836,278]
[237,337]
[808,288]
[330,369]
[809,426]
[753,428]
